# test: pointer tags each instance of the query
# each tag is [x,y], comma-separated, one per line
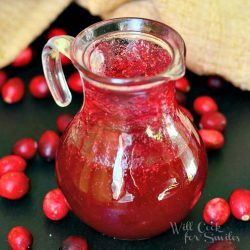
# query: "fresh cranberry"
[211,138]
[181,98]
[222,245]
[187,113]
[13,90]
[216,83]
[216,212]
[75,82]
[56,32]
[14,185]
[12,163]
[55,206]
[23,58]
[38,87]
[64,60]
[47,145]
[240,204]
[205,104]
[63,121]
[74,243]
[20,238]
[182,84]
[25,147]
[214,120]
[3,78]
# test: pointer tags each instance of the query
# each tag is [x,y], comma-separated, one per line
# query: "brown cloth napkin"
[216,32]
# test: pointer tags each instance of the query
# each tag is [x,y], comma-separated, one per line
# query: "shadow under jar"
[130,162]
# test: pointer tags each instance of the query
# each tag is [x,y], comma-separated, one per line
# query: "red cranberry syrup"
[119,168]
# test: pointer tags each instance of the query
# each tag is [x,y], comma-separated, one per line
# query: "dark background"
[228,168]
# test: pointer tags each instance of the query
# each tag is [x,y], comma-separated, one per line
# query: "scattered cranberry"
[75,82]
[25,147]
[216,212]
[63,121]
[222,245]
[64,60]
[182,84]
[55,206]
[38,87]
[212,139]
[56,32]
[240,204]
[214,120]
[181,98]
[3,78]
[216,83]
[205,104]
[20,238]
[13,90]
[47,145]
[12,163]
[74,243]
[187,113]
[23,58]
[14,185]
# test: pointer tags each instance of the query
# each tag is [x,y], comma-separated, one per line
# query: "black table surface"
[229,168]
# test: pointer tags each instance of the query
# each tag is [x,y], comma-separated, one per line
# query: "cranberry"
[20,238]
[56,32]
[3,78]
[63,121]
[75,82]
[216,212]
[214,120]
[14,185]
[180,97]
[187,113]
[240,204]
[212,139]
[25,147]
[13,90]
[216,83]
[47,145]
[222,245]
[64,60]
[23,58]
[55,206]
[74,243]
[12,163]
[38,87]
[182,84]
[205,104]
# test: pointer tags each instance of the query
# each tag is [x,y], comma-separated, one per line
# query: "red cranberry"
[75,82]
[23,58]
[20,238]
[64,60]
[14,185]
[182,84]
[187,113]
[56,32]
[205,104]
[55,206]
[25,147]
[214,120]
[181,98]
[63,121]
[212,139]
[74,243]
[3,78]
[13,90]
[216,212]
[222,245]
[47,145]
[12,163]
[240,204]
[216,83]
[38,87]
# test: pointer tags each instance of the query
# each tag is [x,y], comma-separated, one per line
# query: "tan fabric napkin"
[216,32]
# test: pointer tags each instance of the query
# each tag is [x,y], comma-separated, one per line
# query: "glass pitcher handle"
[52,68]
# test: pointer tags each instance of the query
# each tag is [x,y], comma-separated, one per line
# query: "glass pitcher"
[130,163]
